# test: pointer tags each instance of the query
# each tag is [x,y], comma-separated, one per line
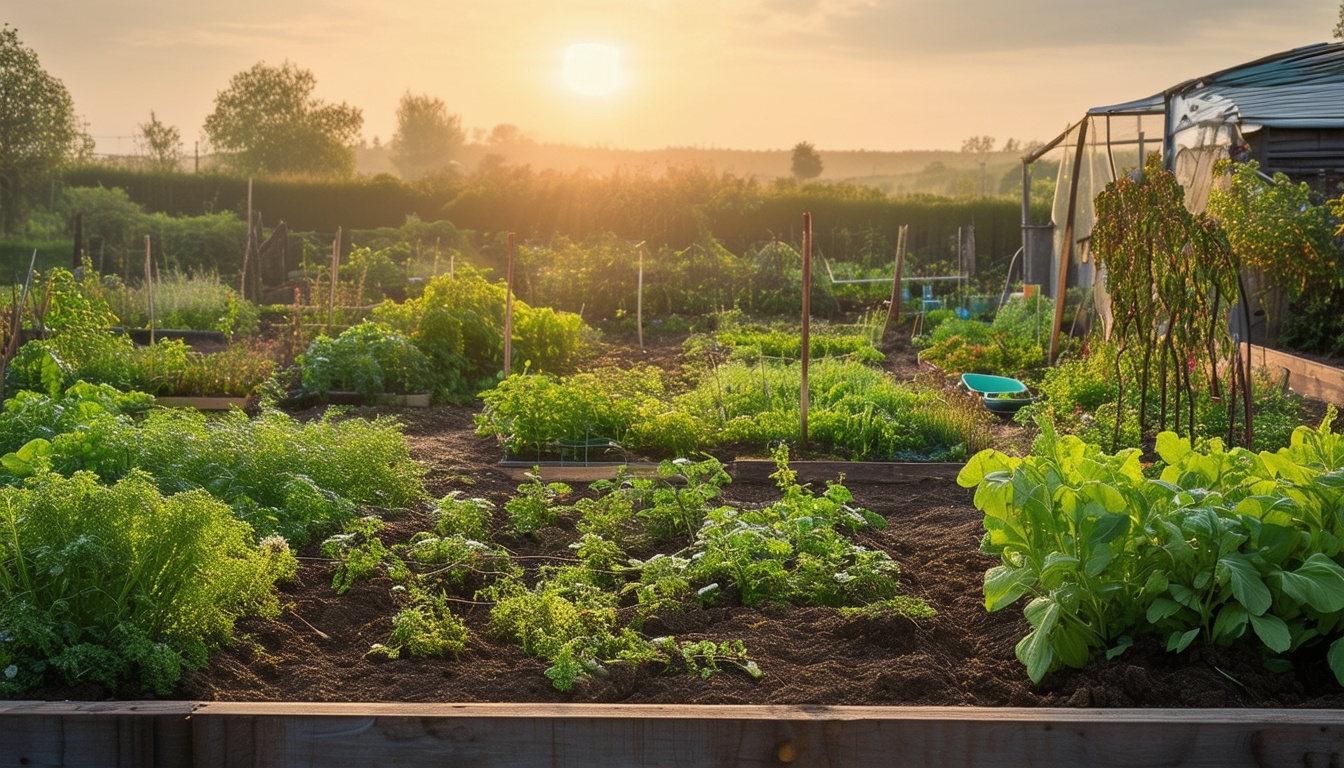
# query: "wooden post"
[247,250]
[894,310]
[508,314]
[1066,254]
[78,258]
[639,298]
[149,291]
[807,327]
[335,271]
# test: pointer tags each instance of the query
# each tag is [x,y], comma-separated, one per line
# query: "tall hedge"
[674,209]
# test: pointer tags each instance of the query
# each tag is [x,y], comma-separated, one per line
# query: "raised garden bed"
[209,734]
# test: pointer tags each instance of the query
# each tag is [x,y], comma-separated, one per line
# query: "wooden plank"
[575,473]
[1305,377]
[201,403]
[759,470]
[594,736]
[96,734]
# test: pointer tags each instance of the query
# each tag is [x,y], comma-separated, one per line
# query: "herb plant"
[121,586]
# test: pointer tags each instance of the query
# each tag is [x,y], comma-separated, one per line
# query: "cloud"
[902,28]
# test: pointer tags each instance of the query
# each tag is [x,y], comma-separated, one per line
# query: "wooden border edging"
[750,470]
[125,734]
[759,470]
[200,403]
[298,735]
[575,473]
[1305,377]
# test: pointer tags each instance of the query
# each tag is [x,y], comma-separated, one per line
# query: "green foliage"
[458,322]
[534,506]
[426,137]
[806,163]
[855,412]
[464,517]
[577,614]
[297,479]
[1011,345]
[359,553]
[121,586]
[182,300]
[1172,276]
[114,229]
[749,343]
[675,207]
[1228,546]
[267,122]
[40,130]
[530,413]
[1274,227]
[367,358]
[1080,395]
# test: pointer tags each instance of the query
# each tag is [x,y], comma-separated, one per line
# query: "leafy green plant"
[464,516]
[120,585]
[367,358]
[534,507]
[298,479]
[1228,546]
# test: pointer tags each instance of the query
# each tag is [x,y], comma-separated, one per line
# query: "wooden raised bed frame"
[265,735]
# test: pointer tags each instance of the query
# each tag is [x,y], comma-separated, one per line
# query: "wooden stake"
[1067,254]
[149,290]
[894,310]
[639,298]
[807,327]
[247,250]
[508,314]
[335,271]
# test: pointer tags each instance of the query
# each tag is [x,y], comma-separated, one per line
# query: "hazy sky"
[746,74]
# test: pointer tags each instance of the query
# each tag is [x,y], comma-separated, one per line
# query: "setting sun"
[592,69]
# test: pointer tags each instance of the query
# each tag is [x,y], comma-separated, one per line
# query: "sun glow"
[593,69]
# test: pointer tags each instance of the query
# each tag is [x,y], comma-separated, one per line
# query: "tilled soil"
[315,651]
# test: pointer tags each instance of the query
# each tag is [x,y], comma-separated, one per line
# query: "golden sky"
[741,74]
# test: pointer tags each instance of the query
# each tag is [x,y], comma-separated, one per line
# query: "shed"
[1285,110]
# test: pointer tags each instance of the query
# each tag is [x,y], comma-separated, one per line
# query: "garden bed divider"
[759,470]
[201,403]
[411,735]
[749,470]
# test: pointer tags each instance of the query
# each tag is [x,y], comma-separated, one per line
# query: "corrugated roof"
[1301,88]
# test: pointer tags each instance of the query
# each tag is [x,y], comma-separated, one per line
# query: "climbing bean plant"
[1172,276]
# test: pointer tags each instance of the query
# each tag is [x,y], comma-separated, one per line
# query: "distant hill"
[955,174]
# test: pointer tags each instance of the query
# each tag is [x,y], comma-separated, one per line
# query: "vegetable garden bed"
[848,690]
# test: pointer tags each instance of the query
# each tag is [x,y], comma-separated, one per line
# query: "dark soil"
[315,650]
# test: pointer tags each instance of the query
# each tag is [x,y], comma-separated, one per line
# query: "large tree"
[806,162]
[427,136]
[268,122]
[38,127]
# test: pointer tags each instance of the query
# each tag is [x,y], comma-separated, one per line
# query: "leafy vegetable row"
[1227,547]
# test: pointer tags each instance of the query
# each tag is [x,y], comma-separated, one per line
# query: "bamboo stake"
[335,270]
[16,325]
[247,250]
[508,314]
[149,291]
[639,298]
[807,327]
[894,310]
